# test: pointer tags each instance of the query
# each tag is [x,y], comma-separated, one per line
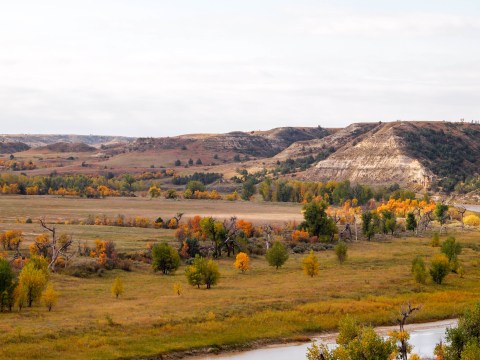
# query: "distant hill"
[11,147]
[43,140]
[63,147]
[436,155]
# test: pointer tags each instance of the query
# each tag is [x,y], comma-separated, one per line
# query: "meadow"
[262,305]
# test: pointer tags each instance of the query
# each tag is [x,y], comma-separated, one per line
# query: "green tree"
[463,341]
[194,272]
[440,213]
[248,189]
[451,248]
[165,258]
[419,270]
[202,272]
[216,232]
[389,222]
[6,275]
[368,224]
[195,185]
[317,222]
[341,251]
[211,274]
[439,268]
[128,182]
[355,342]
[411,223]
[277,255]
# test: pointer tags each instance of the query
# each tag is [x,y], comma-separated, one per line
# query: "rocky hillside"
[255,143]
[409,153]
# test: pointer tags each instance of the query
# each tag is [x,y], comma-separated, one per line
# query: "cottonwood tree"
[33,278]
[277,255]
[49,297]
[165,258]
[310,264]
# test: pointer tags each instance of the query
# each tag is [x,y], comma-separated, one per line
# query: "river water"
[423,337]
[475,208]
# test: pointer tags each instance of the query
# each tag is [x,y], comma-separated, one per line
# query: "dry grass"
[263,303]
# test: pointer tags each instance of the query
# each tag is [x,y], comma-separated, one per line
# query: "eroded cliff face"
[379,158]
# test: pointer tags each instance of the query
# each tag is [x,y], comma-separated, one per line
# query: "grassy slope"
[262,304]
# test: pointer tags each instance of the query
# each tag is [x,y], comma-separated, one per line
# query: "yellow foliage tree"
[154,191]
[472,220]
[310,264]
[242,262]
[177,289]
[49,297]
[117,287]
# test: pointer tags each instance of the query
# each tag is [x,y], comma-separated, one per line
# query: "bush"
[341,252]
[439,268]
[165,258]
[435,240]
[451,248]
[277,255]
[419,270]
[472,220]
[310,264]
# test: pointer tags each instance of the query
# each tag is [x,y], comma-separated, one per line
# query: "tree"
[211,274]
[117,287]
[355,342]
[154,191]
[310,264]
[33,278]
[435,240]
[411,223]
[451,248]
[440,213]
[194,272]
[49,297]
[195,185]
[242,262]
[463,340]
[341,251]
[165,258]
[439,268]
[56,247]
[128,182]
[419,270]
[317,222]
[6,275]
[368,225]
[277,255]
[202,272]
[216,232]
[248,189]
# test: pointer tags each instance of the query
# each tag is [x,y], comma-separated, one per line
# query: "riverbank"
[424,337]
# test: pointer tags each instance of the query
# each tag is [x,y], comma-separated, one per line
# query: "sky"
[163,67]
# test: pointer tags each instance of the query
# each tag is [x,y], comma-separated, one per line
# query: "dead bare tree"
[406,311]
[57,248]
[232,230]
[462,210]
[267,230]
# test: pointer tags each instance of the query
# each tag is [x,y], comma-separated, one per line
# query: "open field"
[264,303]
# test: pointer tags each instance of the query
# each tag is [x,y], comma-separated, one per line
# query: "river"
[423,337]
[475,208]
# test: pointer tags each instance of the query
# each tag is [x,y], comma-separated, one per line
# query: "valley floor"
[264,303]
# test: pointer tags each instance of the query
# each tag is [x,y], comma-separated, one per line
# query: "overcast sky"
[165,67]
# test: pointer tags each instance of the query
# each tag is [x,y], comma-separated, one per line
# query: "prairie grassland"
[58,208]
[264,303]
